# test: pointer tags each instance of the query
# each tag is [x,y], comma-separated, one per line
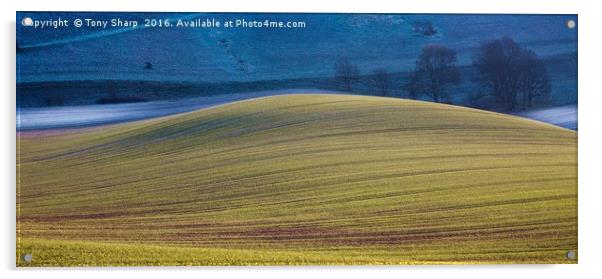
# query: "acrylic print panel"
[295,139]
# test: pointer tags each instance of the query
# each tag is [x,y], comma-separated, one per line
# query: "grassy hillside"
[301,179]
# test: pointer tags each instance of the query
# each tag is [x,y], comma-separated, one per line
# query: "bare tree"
[382,81]
[498,62]
[508,70]
[346,72]
[535,81]
[414,86]
[435,69]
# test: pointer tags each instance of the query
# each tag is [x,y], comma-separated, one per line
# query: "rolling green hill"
[301,179]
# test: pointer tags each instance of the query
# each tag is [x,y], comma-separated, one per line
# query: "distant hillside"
[373,41]
[57,93]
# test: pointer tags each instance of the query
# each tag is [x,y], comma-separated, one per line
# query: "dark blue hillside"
[87,66]
[244,54]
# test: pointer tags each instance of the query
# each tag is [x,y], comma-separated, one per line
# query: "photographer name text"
[158,23]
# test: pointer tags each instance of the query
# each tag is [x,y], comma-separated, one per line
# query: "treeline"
[512,76]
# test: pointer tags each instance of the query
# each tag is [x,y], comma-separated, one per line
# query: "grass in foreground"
[301,179]
[79,253]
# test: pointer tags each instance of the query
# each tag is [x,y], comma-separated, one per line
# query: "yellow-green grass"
[301,179]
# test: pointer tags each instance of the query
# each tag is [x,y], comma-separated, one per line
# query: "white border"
[590,140]
[372,6]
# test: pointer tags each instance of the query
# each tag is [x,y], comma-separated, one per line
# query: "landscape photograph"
[279,139]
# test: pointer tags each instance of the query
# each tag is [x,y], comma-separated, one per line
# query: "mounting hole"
[571,255]
[571,24]
[27,21]
[27,258]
